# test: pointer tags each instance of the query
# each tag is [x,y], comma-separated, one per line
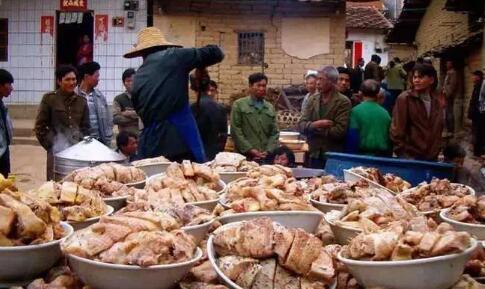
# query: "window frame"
[245,35]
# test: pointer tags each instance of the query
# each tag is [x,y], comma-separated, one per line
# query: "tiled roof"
[366,17]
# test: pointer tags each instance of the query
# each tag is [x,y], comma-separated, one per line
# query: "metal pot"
[87,153]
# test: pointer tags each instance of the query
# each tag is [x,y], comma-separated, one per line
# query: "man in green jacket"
[254,126]
[325,118]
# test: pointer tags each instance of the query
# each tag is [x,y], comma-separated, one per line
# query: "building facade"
[283,39]
[39,35]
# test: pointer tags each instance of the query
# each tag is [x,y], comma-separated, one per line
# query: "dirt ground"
[28,165]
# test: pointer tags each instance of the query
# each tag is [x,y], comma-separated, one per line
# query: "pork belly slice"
[135,224]
[258,238]
[248,276]
[322,268]
[451,242]
[304,250]
[187,169]
[283,238]
[226,240]
[95,239]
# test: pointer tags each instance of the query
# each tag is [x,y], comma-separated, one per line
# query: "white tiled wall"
[31,56]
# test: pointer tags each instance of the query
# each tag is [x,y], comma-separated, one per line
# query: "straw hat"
[149,37]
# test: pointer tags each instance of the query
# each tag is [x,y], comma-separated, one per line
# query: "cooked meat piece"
[5,242]
[195,191]
[187,195]
[123,174]
[47,236]
[7,219]
[246,205]
[204,272]
[137,175]
[378,246]
[265,277]
[451,242]
[162,219]
[150,248]
[304,250]
[174,171]
[247,276]
[77,213]
[233,266]
[135,224]
[205,172]
[208,193]
[427,243]
[108,170]
[402,252]
[307,284]
[284,279]
[68,193]
[322,268]
[283,238]
[28,224]
[187,169]
[48,192]
[257,238]
[412,238]
[95,239]
[226,240]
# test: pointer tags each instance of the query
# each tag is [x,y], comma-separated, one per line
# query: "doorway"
[74,38]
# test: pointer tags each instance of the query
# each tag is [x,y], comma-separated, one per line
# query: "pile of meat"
[133,238]
[261,254]
[389,181]
[75,202]
[270,192]
[407,239]
[150,161]
[437,195]
[57,278]
[231,162]
[342,192]
[269,170]
[468,209]
[182,215]
[372,213]
[26,220]
[109,178]
[476,265]
[182,183]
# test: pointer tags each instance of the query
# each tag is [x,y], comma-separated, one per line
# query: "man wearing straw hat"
[160,95]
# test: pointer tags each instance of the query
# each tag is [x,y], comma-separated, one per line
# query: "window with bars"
[3,39]
[251,48]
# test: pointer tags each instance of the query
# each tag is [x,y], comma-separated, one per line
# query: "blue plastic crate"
[413,171]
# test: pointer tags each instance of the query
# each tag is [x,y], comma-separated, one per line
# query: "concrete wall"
[369,40]
[282,70]
[31,55]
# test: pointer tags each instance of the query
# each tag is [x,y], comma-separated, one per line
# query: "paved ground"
[28,165]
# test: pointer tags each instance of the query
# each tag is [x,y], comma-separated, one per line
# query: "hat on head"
[149,37]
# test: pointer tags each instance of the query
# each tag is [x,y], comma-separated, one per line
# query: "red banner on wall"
[101,28]
[74,5]
[47,25]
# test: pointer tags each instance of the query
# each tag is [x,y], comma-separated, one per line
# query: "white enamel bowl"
[113,276]
[439,272]
[476,230]
[28,262]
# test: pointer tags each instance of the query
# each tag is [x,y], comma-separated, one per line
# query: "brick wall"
[440,27]
[282,69]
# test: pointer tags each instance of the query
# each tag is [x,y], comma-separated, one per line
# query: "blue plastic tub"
[413,171]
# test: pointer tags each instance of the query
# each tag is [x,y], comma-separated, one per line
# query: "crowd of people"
[371,110]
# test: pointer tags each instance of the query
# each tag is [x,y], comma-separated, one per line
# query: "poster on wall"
[74,5]
[101,28]
[47,25]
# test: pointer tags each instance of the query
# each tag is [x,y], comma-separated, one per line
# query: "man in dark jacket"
[6,81]
[160,96]
[476,113]
[372,69]
[124,115]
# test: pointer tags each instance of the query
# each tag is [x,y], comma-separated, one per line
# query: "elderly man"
[100,118]
[311,87]
[160,96]
[417,118]
[254,126]
[325,118]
